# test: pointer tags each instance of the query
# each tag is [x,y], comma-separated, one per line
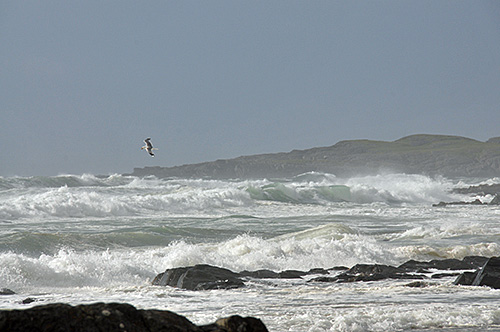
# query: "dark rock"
[338,268]
[419,284]
[237,324]
[475,202]
[6,291]
[495,200]
[489,274]
[468,263]
[292,274]
[482,189]
[325,279]
[267,274]
[368,269]
[199,277]
[409,270]
[111,317]
[465,279]
[95,317]
[370,272]
[444,275]
[261,274]
[28,300]
[318,271]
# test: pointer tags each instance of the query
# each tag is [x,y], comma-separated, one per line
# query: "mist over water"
[81,239]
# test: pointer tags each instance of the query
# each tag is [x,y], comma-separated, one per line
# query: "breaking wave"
[70,196]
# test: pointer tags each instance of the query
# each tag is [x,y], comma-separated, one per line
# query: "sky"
[83,83]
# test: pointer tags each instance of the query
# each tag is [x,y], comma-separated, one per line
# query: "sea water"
[85,239]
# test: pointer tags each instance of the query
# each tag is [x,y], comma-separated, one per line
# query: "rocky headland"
[450,156]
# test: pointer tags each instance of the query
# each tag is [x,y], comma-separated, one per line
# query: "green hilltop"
[451,156]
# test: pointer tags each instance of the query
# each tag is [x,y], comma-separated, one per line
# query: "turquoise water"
[83,239]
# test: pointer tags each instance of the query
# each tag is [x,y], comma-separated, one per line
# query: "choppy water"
[83,239]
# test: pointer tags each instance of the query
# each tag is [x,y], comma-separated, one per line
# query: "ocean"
[83,239]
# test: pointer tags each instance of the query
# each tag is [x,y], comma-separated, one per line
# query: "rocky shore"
[494,201]
[206,277]
[469,271]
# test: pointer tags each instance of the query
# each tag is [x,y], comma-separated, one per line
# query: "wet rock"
[482,189]
[488,275]
[468,263]
[409,270]
[260,274]
[199,277]
[419,284]
[465,279]
[318,271]
[267,274]
[205,277]
[338,268]
[95,317]
[6,291]
[111,317]
[370,272]
[444,275]
[495,200]
[28,300]
[475,202]
[237,324]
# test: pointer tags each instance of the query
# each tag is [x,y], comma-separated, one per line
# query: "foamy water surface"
[83,239]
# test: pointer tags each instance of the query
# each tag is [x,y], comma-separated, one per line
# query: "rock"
[419,284]
[468,263]
[112,317]
[28,300]
[267,274]
[444,275]
[6,291]
[95,317]
[199,277]
[482,189]
[318,271]
[465,279]
[409,270]
[495,200]
[370,272]
[475,202]
[205,277]
[488,275]
[238,324]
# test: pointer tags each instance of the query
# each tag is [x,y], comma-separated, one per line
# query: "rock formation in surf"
[206,277]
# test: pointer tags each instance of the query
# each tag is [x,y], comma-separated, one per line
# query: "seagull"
[149,147]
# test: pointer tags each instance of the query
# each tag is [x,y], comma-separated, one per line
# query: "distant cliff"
[450,156]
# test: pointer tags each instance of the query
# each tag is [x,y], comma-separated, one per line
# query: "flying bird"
[149,147]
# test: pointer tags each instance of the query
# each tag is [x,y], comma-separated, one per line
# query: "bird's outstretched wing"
[148,142]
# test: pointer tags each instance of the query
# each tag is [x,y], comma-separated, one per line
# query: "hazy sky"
[82,83]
